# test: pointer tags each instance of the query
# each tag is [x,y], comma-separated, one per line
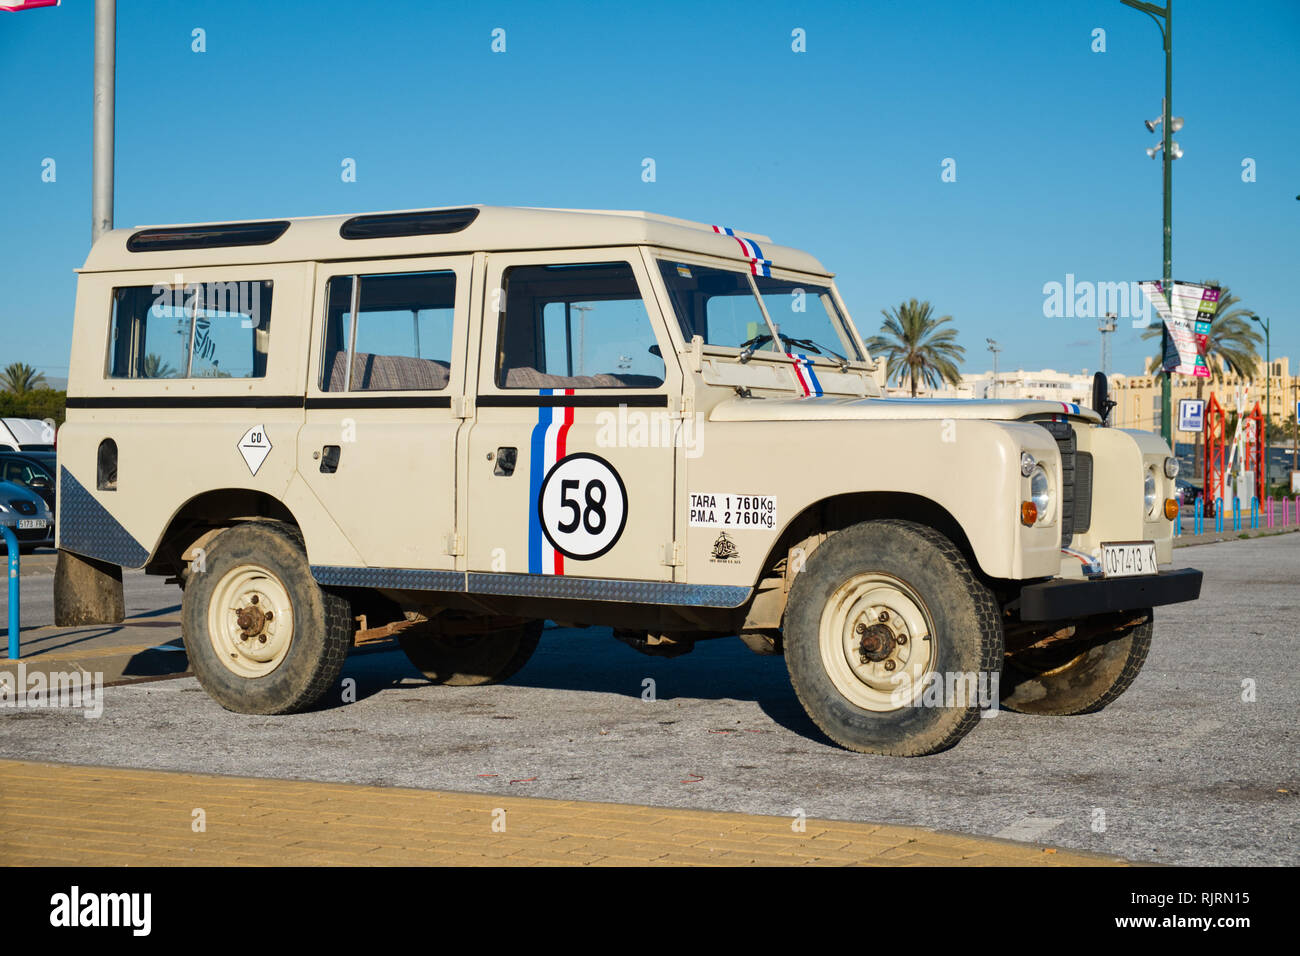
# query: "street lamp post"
[995,349]
[1165,13]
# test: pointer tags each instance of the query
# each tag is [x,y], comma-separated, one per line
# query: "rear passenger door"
[384,383]
[571,456]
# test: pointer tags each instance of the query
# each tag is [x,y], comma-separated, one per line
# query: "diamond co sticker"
[254,447]
[582,505]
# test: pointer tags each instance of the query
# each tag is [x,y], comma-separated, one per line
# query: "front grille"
[1082,492]
[32,534]
[23,507]
[1064,435]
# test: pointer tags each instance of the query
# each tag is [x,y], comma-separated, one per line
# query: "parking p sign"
[1191,415]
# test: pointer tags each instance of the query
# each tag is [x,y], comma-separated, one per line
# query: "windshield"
[719,306]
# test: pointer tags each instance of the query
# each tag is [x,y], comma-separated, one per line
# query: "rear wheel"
[892,642]
[1080,675]
[469,651]
[262,636]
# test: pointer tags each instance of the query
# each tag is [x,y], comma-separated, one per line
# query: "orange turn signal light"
[1028,513]
[1171,508]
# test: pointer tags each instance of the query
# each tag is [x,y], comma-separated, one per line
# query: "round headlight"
[1027,462]
[1149,492]
[1171,467]
[1040,491]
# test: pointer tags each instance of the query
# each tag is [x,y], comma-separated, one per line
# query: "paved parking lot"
[1182,769]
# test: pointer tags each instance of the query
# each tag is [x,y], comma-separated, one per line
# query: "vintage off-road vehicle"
[451,425]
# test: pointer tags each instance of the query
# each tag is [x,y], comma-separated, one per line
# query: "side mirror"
[1101,400]
[39,481]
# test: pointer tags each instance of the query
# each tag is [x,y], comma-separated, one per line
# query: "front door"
[571,457]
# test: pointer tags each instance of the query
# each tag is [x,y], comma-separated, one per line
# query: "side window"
[576,326]
[201,330]
[400,338]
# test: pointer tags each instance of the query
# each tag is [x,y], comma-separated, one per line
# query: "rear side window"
[200,330]
[400,337]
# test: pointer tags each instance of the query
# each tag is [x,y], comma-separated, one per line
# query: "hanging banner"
[1188,322]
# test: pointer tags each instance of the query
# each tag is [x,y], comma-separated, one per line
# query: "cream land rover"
[452,425]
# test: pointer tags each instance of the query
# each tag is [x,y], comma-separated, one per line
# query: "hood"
[829,408]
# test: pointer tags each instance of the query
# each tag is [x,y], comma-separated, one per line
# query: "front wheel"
[262,636]
[892,643]
[1080,675]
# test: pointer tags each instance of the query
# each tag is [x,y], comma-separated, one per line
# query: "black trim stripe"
[187,401]
[259,401]
[576,401]
[383,401]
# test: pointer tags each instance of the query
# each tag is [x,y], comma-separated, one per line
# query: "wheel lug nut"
[860,629]
[270,615]
[262,640]
[884,616]
[900,640]
[889,665]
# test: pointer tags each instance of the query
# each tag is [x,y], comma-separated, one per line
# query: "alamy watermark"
[960,689]
[1084,299]
[39,691]
[639,429]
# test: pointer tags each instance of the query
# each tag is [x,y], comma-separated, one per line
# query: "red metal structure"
[1215,423]
[1253,452]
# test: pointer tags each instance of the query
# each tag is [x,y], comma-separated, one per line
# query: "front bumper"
[1060,600]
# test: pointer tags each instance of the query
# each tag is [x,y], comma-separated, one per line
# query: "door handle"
[329,459]
[505,461]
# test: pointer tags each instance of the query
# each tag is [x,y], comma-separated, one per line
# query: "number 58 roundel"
[582,505]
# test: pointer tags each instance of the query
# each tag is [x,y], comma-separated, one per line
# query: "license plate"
[1129,558]
[25,524]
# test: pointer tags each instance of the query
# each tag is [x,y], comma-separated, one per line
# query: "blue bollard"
[1198,517]
[1218,515]
[1254,512]
[1236,513]
[11,542]
[1178,523]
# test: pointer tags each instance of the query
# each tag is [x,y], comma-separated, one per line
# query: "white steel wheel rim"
[898,678]
[250,621]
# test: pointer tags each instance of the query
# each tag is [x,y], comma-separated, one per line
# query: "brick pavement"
[52,814]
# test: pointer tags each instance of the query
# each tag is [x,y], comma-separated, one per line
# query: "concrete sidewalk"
[140,648]
[61,814]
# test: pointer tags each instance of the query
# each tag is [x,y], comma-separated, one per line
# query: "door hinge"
[453,544]
[462,406]
[671,554]
[685,407]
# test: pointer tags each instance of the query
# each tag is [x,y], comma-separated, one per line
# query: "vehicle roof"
[495,228]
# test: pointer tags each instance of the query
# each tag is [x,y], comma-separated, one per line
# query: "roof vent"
[206,237]
[390,225]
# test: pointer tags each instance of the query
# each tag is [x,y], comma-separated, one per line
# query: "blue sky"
[837,150]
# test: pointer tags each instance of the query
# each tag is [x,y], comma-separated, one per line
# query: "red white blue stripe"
[757,264]
[805,375]
[548,444]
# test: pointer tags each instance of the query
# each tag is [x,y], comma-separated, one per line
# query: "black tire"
[319,640]
[467,660]
[967,636]
[1081,677]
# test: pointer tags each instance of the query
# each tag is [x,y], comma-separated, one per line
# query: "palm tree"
[916,348]
[21,378]
[155,367]
[1231,346]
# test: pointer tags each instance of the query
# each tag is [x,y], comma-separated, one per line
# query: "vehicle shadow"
[592,661]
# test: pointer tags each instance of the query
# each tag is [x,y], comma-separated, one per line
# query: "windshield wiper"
[809,345]
[748,348]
